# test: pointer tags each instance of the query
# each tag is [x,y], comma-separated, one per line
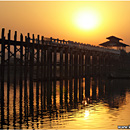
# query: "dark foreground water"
[66,104]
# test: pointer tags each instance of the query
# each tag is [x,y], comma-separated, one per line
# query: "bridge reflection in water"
[64,103]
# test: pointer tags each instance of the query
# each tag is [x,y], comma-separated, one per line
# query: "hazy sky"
[60,19]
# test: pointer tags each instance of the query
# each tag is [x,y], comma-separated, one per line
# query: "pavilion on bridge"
[114,43]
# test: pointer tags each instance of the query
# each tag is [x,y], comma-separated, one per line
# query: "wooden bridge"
[40,60]
[48,58]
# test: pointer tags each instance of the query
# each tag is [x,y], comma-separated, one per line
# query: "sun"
[86,20]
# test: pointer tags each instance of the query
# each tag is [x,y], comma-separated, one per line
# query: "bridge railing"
[57,41]
[78,44]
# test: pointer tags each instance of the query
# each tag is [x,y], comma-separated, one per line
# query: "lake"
[85,103]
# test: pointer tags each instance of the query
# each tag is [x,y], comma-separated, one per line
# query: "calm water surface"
[77,103]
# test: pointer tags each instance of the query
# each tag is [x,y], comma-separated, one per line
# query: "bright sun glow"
[87,20]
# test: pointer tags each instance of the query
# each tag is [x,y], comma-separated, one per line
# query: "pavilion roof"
[114,38]
[110,44]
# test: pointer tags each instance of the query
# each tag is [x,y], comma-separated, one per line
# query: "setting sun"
[87,20]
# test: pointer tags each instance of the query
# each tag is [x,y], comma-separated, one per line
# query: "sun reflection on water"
[86,114]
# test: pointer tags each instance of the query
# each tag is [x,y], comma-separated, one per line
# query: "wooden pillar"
[70,91]
[38,64]
[48,77]
[75,64]
[21,76]
[61,92]
[45,95]
[37,73]
[94,63]
[8,77]
[49,63]
[2,77]
[42,58]
[85,64]
[94,85]
[45,64]
[87,87]
[8,72]
[66,76]
[88,64]
[110,64]
[25,69]
[107,64]
[101,89]
[80,64]
[30,69]
[101,64]
[98,64]
[75,75]
[42,74]
[80,89]
[61,63]
[54,75]
[71,65]
[66,64]
[14,100]
[54,92]
[91,63]
[49,72]
[15,64]
[55,64]
[104,64]
[61,76]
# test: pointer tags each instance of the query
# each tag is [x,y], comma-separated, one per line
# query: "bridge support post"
[55,63]
[71,65]
[81,59]
[8,71]
[88,65]
[75,75]
[54,75]
[80,89]
[2,77]
[8,76]
[70,76]
[42,73]
[37,74]
[66,76]
[49,70]
[102,64]
[61,76]
[87,87]
[21,77]
[15,79]
[94,85]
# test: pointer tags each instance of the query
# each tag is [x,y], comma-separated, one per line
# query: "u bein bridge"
[32,66]
[43,58]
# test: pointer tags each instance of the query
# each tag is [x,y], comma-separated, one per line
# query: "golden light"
[86,114]
[87,20]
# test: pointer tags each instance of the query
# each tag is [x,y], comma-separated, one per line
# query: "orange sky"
[57,19]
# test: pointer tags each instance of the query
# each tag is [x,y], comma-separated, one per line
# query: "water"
[67,104]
